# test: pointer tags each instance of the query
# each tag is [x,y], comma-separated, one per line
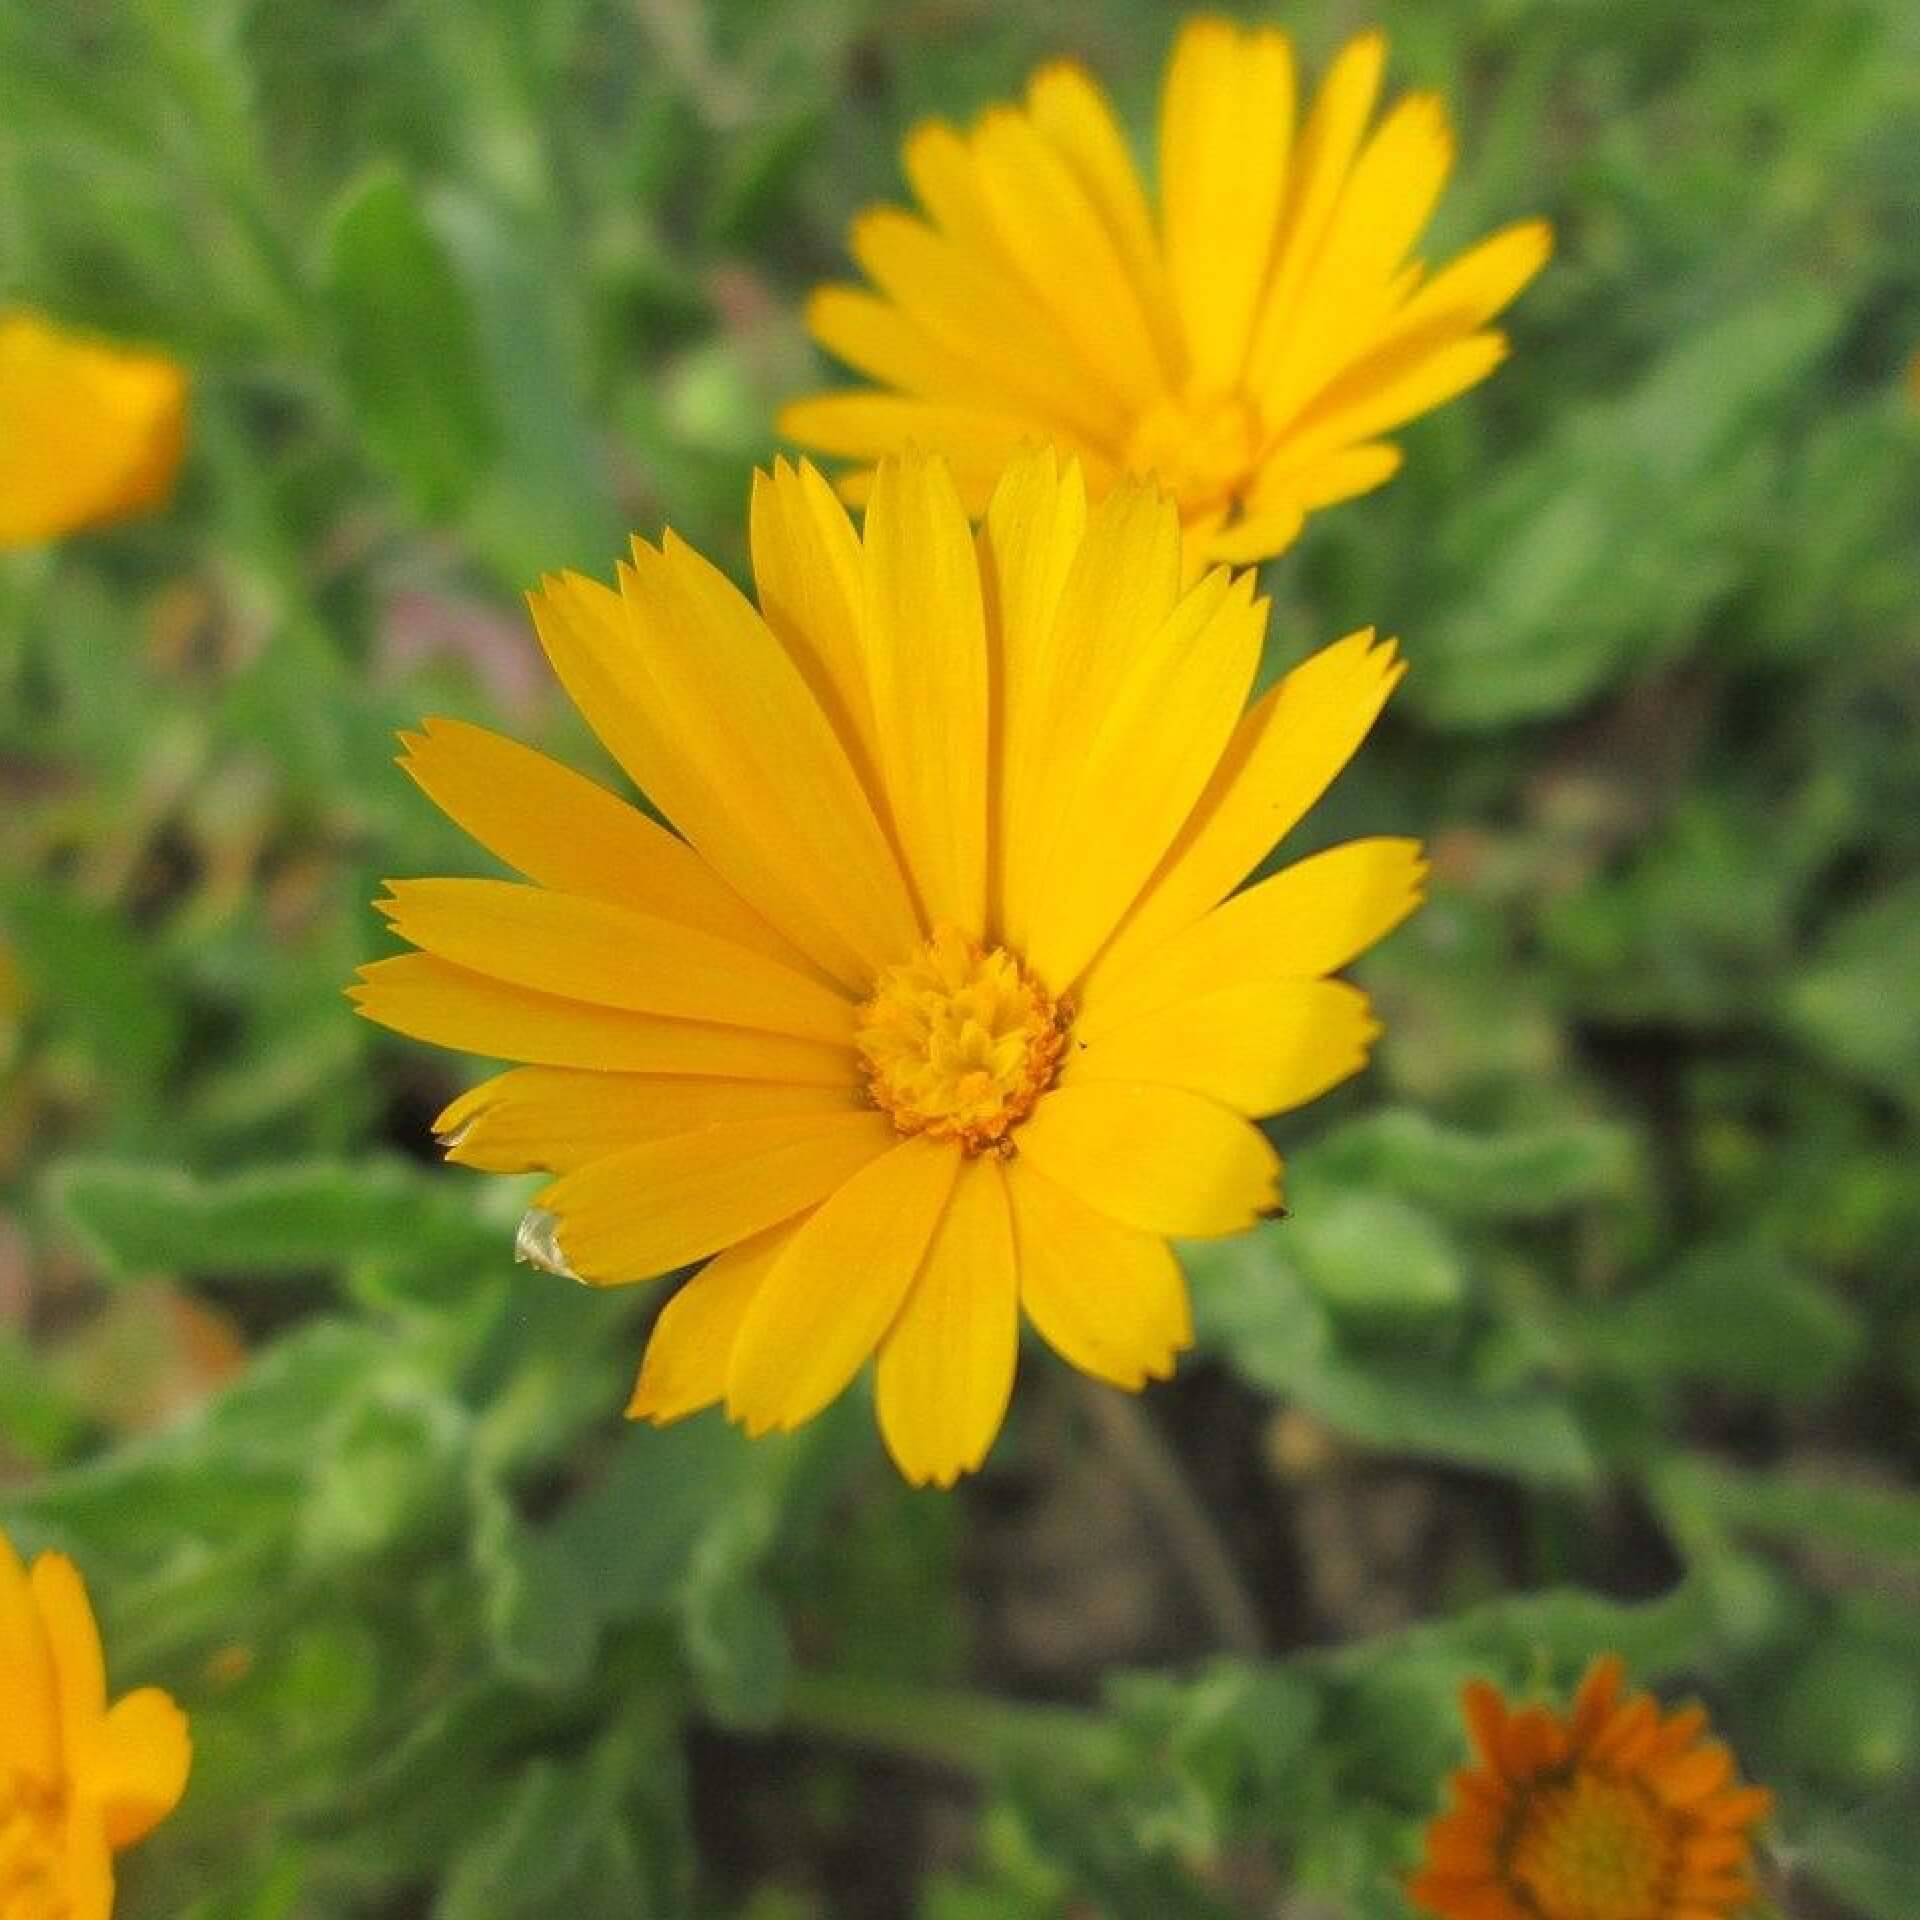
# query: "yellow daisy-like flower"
[79,1780]
[1610,1813]
[1247,345]
[89,433]
[930,1012]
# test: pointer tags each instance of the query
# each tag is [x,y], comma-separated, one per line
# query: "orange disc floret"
[1611,1812]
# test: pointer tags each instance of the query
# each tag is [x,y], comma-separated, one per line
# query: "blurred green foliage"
[1608,1267]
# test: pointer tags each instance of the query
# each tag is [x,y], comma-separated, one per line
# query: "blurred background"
[1598,1321]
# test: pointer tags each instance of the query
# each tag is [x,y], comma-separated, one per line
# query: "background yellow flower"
[79,1780]
[1247,343]
[89,433]
[935,1014]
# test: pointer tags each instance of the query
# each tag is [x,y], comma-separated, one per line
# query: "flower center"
[31,1884]
[1590,1848]
[1202,450]
[960,1041]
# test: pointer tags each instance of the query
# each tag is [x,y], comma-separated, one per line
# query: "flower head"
[1247,343]
[1610,1813]
[89,433]
[79,1780]
[929,1011]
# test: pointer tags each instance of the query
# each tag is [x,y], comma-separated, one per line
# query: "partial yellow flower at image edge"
[1612,1811]
[933,1009]
[90,433]
[1247,342]
[79,1779]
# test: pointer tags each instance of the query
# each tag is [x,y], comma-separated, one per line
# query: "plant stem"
[1128,1432]
[945,1727]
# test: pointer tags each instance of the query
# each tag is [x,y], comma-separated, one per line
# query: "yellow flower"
[89,433]
[79,1780]
[1610,1813]
[934,1013]
[1248,347]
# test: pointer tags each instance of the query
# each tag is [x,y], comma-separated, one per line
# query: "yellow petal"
[1120,588]
[799,824]
[89,433]
[1321,482]
[874,337]
[144,1759]
[646,671]
[1033,529]
[86,1887]
[581,949]
[666,1203]
[1053,234]
[945,1371]
[927,661]
[554,1119]
[869,426]
[1307,920]
[1071,111]
[1322,158]
[806,571]
[1388,388]
[73,1642]
[960,291]
[1257,535]
[1226,126]
[836,1288]
[1258,1048]
[688,1352]
[1343,299]
[1469,291]
[30,1727]
[1109,1299]
[429,999]
[560,829]
[1170,716]
[1157,1158]
[1282,758]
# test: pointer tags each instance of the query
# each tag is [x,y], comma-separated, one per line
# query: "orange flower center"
[1591,1848]
[960,1041]
[1202,450]
[31,1883]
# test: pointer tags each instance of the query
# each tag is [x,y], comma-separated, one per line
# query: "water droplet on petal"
[536,1243]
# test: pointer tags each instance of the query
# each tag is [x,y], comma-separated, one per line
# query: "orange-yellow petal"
[1157,1158]
[553,1119]
[611,956]
[561,830]
[836,1288]
[144,1757]
[89,433]
[1283,756]
[945,1369]
[30,1727]
[666,1203]
[690,1348]
[430,999]
[1109,1299]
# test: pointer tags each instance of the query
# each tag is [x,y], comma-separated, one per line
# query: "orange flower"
[89,433]
[79,1780]
[1611,1813]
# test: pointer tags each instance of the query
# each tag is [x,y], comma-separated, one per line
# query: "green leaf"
[736,1640]
[270,1220]
[408,345]
[1371,1253]
[1854,1005]
[1737,1315]
[1528,1173]
[541,1613]
[1251,1306]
